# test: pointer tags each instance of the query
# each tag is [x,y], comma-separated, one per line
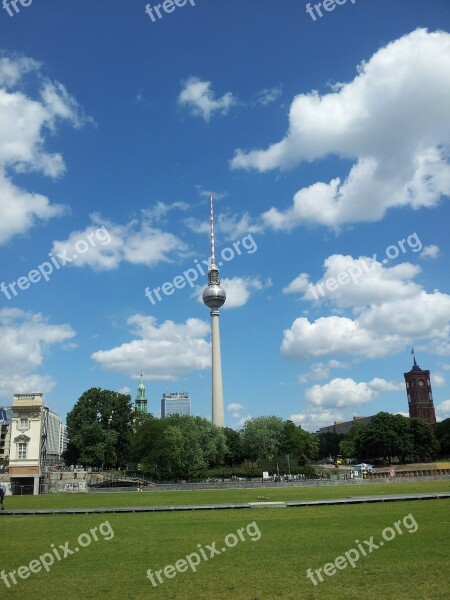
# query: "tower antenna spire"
[213,252]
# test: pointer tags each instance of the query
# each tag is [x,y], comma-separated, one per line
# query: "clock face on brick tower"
[421,383]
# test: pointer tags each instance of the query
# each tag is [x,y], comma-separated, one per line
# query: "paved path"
[262,504]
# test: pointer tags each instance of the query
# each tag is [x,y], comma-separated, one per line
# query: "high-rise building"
[214,297]
[63,439]
[420,395]
[177,403]
[52,450]
[141,398]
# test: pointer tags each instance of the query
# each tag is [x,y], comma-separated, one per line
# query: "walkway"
[262,504]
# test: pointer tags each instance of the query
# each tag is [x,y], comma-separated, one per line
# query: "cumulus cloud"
[340,393]
[267,96]
[311,421]
[164,352]
[430,252]
[26,119]
[235,407]
[198,97]
[233,226]
[437,380]
[326,403]
[321,370]
[387,311]
[382,122]
[239,290]
[443,410]
[26,339]
[104,245]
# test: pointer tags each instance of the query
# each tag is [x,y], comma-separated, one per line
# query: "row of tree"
[105,432]
[389,436]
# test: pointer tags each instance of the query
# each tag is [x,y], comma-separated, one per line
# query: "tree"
[425,444]
[299,444]
[99,428]
[349,445]
[442,431]
[386,436]
[177,446]
[329,444]
[261,438]
[233,454]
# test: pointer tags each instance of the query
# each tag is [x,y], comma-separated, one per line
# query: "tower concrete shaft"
[214,297]
[217,391]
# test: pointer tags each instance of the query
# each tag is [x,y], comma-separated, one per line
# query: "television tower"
[214,297]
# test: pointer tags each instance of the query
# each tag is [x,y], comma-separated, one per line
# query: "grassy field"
[134,498]
[270,564]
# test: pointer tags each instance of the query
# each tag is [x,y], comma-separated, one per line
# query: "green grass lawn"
[133,498]
[411,566]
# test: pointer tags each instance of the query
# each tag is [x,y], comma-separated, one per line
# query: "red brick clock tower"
[420,396]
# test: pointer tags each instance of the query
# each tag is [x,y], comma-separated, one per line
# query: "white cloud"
[317,372]
[380,119]
[430,252]
[339,393]
[233,226]
[162,209]
[437,381]
[198,96]
[381,385]
[26,339]
[387,312]
[321,370]
[267,96]
[164,352]
[312,421]
[235,407]
[336,395]
[242,422]
[364,281]
[124,390]
[24,123]
[238,289]
[328,336]
[443,410]
[109,244]
[298,285]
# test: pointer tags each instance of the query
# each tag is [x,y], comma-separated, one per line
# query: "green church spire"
[141,399]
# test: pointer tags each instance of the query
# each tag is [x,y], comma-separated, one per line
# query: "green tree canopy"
[262,437]
[99,428]
[177,446]
[443,435]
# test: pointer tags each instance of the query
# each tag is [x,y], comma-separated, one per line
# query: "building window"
[22,451]
[23,423]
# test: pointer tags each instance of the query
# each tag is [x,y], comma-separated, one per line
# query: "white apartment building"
[35,442]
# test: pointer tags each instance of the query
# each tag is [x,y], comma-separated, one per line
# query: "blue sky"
[326,143]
